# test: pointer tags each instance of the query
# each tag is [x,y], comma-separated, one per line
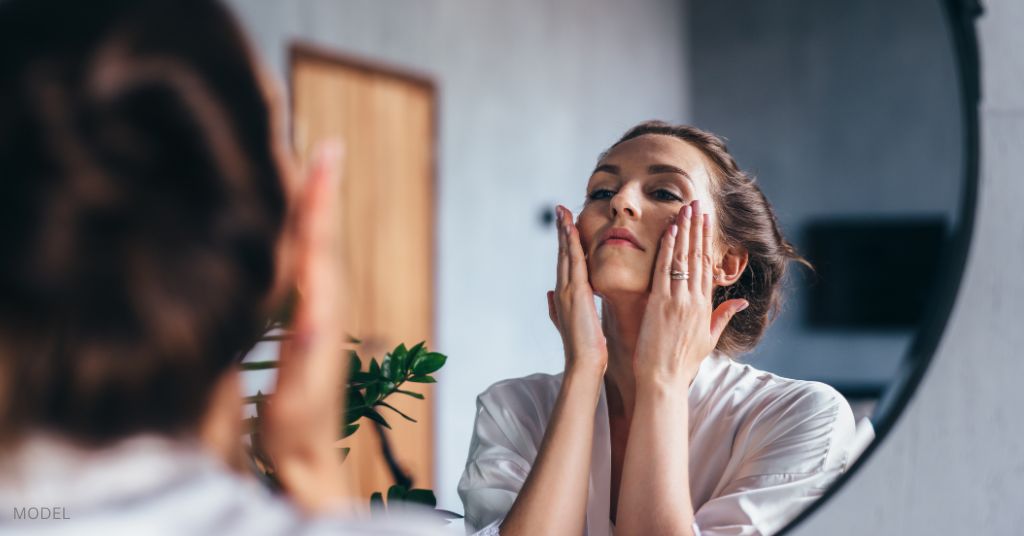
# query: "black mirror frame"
[960,17]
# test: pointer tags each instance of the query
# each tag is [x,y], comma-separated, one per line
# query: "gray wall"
[842,109]
[954,463]
[531,91]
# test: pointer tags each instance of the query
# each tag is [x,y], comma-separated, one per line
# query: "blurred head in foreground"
[141,205]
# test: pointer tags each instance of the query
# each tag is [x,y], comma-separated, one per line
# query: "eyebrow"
[651,170]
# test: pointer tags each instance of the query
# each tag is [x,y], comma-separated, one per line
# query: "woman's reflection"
[688,259]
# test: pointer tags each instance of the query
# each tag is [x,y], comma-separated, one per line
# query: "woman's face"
[632,197]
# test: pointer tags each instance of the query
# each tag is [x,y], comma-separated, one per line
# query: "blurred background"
[466,121]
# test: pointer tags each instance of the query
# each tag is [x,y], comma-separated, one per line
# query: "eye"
[662,194]
[600,193]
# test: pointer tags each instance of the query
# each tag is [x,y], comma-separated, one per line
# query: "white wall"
[954,463]
[843,109]
[530,92]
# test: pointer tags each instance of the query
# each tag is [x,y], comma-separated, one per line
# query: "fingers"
[572,262]
[707,273]
[723,315]
[319,226]
[695,253]
[661,282]
[562,278]
[682,247]
[577,259]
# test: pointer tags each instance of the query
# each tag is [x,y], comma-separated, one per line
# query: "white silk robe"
[762,448]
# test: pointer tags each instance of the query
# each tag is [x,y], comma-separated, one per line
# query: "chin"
[611,280]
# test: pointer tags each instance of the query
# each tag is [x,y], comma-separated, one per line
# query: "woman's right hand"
[571,305]
[553,498]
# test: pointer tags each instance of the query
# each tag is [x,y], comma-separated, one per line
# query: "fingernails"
[696,205]
[673,230]
[687,211]
[744,306]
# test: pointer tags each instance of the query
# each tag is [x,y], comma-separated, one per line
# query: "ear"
[733,263]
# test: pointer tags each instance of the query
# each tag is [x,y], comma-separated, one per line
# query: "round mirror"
[466,122]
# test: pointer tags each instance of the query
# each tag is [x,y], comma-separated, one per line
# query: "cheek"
[588,228]
[658,222]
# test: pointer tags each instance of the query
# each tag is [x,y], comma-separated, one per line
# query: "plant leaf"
[418,358]
[421,496]
[355,398]
[377,504]
[396,493]
[431,362]
[418,396]
[372,393]
[349,430]
[372,414]
[400,363]
[259,365]
[354,364]
[361,377]
[415,353]
[399,358]
[422,379]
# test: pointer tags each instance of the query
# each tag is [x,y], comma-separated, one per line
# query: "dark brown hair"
[140,207]
[745,220]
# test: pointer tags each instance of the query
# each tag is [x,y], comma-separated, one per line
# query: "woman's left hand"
[680,326]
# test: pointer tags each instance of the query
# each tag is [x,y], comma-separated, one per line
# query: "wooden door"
[386,120]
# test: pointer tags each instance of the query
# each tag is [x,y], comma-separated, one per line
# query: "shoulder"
[515,412]
[787,419]
[771,392]
[537,391]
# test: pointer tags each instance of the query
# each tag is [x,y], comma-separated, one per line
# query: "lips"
[621,236]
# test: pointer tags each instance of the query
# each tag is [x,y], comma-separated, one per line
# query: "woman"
[150,223]
[688,259]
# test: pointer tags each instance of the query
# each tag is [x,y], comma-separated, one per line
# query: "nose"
[625,202]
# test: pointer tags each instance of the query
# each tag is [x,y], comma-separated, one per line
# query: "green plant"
[367,390]
[367,394]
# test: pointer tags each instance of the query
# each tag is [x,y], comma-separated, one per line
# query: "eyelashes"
[660,194]
[666,195]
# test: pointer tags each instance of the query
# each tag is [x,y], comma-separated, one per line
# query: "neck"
[621,317]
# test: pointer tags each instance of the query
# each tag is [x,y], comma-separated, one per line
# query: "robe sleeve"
[504,445]
[791,452]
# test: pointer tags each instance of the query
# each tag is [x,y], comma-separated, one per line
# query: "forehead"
[657,149]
